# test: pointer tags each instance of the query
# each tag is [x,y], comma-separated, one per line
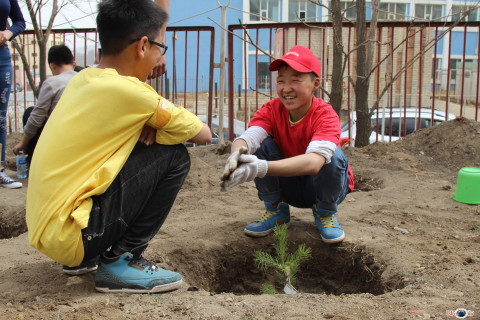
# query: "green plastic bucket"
[468,186]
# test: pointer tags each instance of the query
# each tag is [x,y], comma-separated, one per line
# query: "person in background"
[293,151]
[8,9]
[61,63]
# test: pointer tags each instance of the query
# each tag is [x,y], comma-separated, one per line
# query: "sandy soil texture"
[411,251]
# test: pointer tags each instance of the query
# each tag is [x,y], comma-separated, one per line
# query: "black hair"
[60,55]
[78,68]
[121,21]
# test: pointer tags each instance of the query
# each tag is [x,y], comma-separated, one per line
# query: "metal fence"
[182,84]
[408,55]
[411,58]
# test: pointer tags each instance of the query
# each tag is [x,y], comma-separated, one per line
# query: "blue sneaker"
[271,218]
[328,226]
[130,272]
[84,267]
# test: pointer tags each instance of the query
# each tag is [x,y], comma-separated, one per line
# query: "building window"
[460,13]
[428,11]
[349,9]
[392,11]
[263,76]
[302,10]
[438,67]
[455,64]
[15,57]
[17,68]
[264,10]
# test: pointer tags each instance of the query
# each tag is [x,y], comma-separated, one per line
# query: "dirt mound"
[448,146]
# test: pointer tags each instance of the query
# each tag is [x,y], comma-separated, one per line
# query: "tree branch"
[243,39]
[37,29]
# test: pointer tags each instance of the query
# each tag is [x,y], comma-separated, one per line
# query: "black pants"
[33,141]
[134,207]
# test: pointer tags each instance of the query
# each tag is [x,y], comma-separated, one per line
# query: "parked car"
[396,123]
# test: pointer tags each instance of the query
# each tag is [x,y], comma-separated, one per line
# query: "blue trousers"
[327,188]
[5,88]
[134,207]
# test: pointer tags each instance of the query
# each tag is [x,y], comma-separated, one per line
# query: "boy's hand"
[19,146]
[147,136]
[250,168]
[159,69]
[232,163]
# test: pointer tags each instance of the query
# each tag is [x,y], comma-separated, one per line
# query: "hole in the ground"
[12,223]
[340,269]
[364,183]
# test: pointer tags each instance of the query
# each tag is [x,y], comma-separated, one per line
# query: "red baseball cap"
[300,59]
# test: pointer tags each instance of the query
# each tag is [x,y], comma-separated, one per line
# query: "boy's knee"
[269,150]
[339,160]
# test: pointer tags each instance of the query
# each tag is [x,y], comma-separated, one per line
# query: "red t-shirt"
[321,123]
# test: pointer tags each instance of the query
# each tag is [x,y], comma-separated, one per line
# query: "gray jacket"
[50,93]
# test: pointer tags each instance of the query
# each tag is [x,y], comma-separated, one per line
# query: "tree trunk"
[42,62]
[364,64]
[336,93]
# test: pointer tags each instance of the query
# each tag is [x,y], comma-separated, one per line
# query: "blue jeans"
[134,207]
[5,88]
[327,188]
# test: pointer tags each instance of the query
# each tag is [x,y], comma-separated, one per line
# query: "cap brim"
[293,64]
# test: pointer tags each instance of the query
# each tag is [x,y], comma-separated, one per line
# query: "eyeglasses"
[162,46]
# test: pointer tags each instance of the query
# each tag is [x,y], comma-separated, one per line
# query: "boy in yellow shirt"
[94,189]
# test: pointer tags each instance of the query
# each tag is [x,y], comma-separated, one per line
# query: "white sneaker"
[7,182]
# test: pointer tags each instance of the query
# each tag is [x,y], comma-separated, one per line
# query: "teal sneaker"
[131,273]
[271,218]
[328,226]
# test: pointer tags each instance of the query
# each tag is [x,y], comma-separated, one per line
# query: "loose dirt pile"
[411,251]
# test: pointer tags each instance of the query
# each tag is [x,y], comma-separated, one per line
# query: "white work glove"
[250,167]
[232,163]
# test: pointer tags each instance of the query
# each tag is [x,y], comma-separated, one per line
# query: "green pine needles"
[285,264]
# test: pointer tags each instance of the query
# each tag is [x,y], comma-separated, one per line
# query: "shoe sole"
[336,240]
[79,272]
[8,186]
[262,233]
[163,288]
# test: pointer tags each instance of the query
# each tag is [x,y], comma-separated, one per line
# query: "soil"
[410,252]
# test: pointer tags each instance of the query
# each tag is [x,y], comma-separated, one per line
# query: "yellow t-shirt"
[83,146]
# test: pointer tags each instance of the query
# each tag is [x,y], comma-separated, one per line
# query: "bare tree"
[365,50]
[42,34]
[336,94]
[365,54]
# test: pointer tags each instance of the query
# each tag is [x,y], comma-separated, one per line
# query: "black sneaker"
[84,267]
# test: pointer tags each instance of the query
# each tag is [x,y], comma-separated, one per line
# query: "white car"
[392,123]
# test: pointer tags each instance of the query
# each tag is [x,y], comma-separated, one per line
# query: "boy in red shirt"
[293,153]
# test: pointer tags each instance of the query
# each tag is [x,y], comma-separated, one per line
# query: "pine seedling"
[285,264]
[267,288]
